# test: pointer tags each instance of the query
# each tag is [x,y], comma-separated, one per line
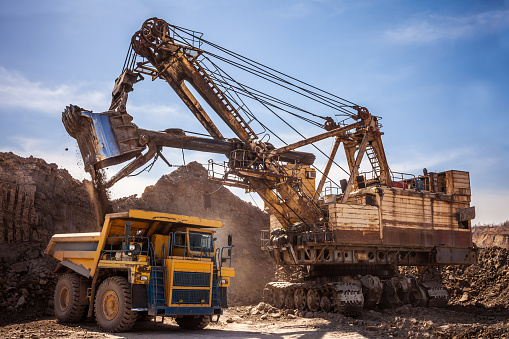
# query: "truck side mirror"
[230,239]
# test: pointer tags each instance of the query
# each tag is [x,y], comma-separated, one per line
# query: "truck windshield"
[201,242]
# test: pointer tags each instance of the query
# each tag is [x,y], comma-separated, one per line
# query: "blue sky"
[436,71]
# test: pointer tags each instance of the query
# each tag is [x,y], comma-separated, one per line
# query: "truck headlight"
[223,281]
[142,277]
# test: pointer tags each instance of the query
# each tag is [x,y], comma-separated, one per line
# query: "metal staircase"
[216,298]
[226,101]
[373,160]
[156,289]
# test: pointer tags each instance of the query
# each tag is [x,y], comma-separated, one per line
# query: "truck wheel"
[193,322]
[67,299]
[113,305]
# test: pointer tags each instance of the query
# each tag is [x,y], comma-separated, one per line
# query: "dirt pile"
[37,200]
[485,284]
[491,235]
[188,191]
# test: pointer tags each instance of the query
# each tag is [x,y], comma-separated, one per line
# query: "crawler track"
[350,295]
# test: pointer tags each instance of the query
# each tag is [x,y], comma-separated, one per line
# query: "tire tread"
[77,311]
[129,316]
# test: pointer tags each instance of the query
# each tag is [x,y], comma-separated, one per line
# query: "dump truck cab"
[158,263]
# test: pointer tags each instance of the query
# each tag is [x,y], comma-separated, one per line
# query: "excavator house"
[346,235]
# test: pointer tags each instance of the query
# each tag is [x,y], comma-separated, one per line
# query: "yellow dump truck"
[142,263]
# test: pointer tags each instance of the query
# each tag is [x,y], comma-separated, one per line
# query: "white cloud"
[18,92]
[69,159]
[435,28]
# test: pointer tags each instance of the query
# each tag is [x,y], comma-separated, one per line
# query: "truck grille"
[190,297]
[191,279]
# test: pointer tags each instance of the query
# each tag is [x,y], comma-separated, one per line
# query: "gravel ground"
[264,321]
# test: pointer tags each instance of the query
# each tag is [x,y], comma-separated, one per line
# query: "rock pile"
[485,284]
[26,289]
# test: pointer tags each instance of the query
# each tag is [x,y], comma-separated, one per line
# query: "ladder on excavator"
[373,160]
[224,99]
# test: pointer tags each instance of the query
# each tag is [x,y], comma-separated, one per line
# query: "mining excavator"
[347,240]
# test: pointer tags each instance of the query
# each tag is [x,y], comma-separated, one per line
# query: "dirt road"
[267,322]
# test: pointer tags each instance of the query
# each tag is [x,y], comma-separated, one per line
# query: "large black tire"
[193,322]
[67,298]
[113,305]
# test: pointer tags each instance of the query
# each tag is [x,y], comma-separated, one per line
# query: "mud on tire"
[67,299]
[113,305]
[193,322]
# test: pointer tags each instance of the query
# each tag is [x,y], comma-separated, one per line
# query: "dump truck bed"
[81,252]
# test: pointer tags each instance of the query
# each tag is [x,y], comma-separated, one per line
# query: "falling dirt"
[100,196]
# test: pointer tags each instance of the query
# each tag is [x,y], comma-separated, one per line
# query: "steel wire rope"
[249,70]
[266,73]
[246,110]
[254,63]
[253,200]
[302,136]
[269,97]
[254,96]
[250,61]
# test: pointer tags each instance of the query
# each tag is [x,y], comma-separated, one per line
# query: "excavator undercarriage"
[348,239]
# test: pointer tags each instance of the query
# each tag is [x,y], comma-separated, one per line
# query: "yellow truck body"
[169,261]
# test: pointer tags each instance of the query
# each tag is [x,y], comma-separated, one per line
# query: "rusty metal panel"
[349,237]
[453,238]
[408,237]
[354,217]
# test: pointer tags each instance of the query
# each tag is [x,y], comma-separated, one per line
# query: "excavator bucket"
[105,139]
